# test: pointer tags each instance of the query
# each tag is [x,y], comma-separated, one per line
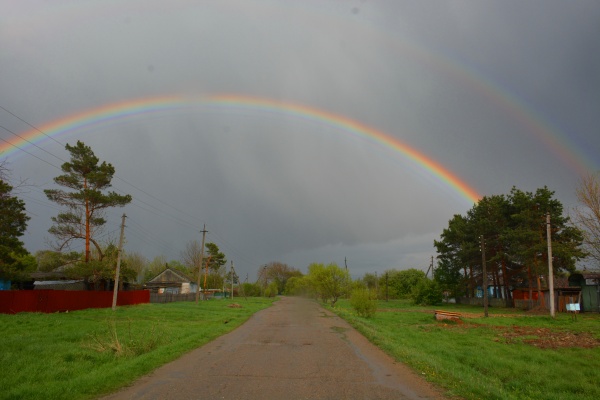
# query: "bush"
[427,293]
[251,289]
[271,290]
[362,303]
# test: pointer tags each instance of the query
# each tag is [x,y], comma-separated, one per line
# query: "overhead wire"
[224,243]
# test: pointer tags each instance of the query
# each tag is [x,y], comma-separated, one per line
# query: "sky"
[345,132]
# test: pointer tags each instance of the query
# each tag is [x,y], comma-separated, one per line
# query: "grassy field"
[509,355]
[83,354]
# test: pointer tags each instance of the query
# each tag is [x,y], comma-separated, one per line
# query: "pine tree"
[86,202]
[13,222]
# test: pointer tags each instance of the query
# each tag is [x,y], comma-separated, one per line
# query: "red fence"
[49,301]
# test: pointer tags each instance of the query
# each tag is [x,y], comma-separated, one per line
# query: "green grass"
[84,354]
[481,358]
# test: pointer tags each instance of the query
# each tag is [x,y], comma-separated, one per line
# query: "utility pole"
[118,271]
[432,269]
[484,283]
[386,287]
[346,263]
[232,276]
[203,231]
[550,268]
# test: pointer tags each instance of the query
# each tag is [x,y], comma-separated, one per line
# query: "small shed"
[589,283]
[171,281]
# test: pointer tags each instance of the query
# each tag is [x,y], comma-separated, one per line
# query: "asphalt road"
[292,350]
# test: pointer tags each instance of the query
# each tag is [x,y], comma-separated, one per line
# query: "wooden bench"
[441,315]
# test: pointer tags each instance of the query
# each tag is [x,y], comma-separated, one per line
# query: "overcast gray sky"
[498,93]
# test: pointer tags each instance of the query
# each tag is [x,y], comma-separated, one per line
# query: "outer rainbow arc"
[130,108]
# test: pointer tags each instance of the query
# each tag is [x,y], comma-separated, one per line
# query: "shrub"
[427,293]
[362,303]
[271,290]
[251,289]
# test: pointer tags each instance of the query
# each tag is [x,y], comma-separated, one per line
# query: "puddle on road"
[342,331]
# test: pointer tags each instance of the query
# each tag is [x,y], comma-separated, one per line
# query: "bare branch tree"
[588,214]
[191,256]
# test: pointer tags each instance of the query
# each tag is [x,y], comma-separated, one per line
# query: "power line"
[30,142]
[30,125]
[25,151]
[181,221]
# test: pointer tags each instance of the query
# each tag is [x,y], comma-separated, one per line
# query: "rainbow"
[141,106]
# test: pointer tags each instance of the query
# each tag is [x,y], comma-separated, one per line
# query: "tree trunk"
[87,224]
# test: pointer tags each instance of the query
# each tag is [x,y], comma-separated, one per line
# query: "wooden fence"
[171,297]
[49,301]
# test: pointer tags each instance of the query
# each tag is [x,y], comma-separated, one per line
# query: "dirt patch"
[545,338]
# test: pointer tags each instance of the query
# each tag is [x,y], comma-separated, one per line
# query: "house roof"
[586,278]
[170,276]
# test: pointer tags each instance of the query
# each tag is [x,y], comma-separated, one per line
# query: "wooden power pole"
[118,271]
[204,231]
[550,268]
[484,280]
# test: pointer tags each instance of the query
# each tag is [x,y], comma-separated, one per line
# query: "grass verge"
[84,354]
[510,355]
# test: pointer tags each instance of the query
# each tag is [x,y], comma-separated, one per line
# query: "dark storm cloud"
[461,82]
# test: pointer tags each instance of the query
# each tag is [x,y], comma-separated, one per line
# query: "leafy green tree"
[427,292]
[271,290]
[251,289]
[297,286]
[528,235]
[329,282]
[52,261]
[401,283]
[279,273]
[513,228]
[86,201]
[369,281]
[217,259]
[14,265]
[491,220]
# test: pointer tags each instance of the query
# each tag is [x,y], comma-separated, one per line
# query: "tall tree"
[514,230]
[402,283]
[458,253]
[279,273]
[217,259]
[587,215]
[191,257]
[86,202]
[13,222]
[330,282]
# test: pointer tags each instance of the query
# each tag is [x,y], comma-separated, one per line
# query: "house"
[589,283]
[171,281]
[564,294]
